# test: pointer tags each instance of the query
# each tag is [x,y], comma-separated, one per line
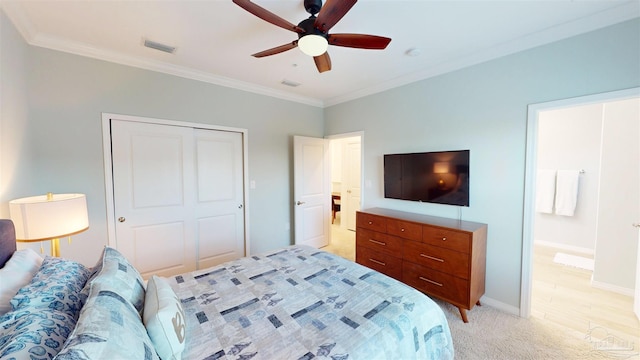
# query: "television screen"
[437,177]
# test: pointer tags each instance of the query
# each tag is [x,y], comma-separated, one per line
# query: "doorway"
[346,185]
[596,233]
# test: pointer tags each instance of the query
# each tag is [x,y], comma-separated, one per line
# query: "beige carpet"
[493,334]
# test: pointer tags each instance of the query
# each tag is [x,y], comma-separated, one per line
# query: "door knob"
[300,203]
[240,206]
[122,219]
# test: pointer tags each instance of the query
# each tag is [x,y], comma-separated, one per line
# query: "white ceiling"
[215,38]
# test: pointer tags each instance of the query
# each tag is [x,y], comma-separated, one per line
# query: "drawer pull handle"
[444,238]
[370,222]
[402,230]
[432,258]
[378,242]
[430,281]
[378,262]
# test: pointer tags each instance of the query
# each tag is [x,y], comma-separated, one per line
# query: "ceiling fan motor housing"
[312,6]
[308,25]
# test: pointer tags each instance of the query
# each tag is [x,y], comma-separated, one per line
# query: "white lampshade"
[49,216]
[313,45]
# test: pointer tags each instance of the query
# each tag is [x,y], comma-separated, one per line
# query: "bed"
[293,303]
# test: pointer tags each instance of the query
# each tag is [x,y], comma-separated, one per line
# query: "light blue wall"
[15,151]
[484,108]
[66,95]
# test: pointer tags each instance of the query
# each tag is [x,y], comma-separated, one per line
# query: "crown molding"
[32,37]
[624,12]
[63,45]
[19,19]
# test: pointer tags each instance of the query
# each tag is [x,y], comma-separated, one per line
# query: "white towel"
[567,192]
[545,190]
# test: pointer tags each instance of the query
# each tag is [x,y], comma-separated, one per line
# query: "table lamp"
[49,217]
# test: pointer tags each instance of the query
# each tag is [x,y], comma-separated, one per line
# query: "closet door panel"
[219,201]
[153,196]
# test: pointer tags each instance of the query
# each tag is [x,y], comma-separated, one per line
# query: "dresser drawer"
[404,229]
[371,222]
[444,260]
[379,242]
[450,239]
[445,286]
[379,261]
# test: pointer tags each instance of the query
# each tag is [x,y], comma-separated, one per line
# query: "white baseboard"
[613,288]
[578,249]
[500,305]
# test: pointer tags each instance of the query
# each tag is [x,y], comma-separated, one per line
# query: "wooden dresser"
[444,258]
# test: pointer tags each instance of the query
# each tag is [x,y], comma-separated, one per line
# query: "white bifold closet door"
[178,196]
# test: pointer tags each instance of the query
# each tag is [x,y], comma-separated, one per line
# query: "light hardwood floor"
[562,296]
[343,241]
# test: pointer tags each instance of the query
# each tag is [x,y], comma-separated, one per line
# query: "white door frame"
[349,135]
[530,176]
[108,167]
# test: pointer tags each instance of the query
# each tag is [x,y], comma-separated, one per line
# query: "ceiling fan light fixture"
[313,45]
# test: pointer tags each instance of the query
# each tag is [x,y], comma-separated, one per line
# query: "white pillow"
[164,319]
[15,274]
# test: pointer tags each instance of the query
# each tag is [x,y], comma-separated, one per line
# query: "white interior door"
[219,202]
[312,194]
[153,198]
[353,172]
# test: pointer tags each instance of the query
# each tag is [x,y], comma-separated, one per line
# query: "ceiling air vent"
[289,83]
[158,46]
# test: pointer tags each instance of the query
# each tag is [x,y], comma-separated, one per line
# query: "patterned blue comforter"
[302,303]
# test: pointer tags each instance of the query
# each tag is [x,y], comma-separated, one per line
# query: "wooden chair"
[335,206]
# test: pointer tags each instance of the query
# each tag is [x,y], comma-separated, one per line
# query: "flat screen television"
[440,177]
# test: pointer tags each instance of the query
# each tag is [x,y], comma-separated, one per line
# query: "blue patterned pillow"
[93,272]
[109,328]
[56,286]
[33,333]
[116,274]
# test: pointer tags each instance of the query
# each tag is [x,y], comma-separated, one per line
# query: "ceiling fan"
[313,33]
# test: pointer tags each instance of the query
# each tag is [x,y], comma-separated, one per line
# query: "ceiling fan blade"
[360,41]
[331,12]
[267,15]
[323,62]
[276,50]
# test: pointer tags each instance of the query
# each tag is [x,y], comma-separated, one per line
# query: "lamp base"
[55,247]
